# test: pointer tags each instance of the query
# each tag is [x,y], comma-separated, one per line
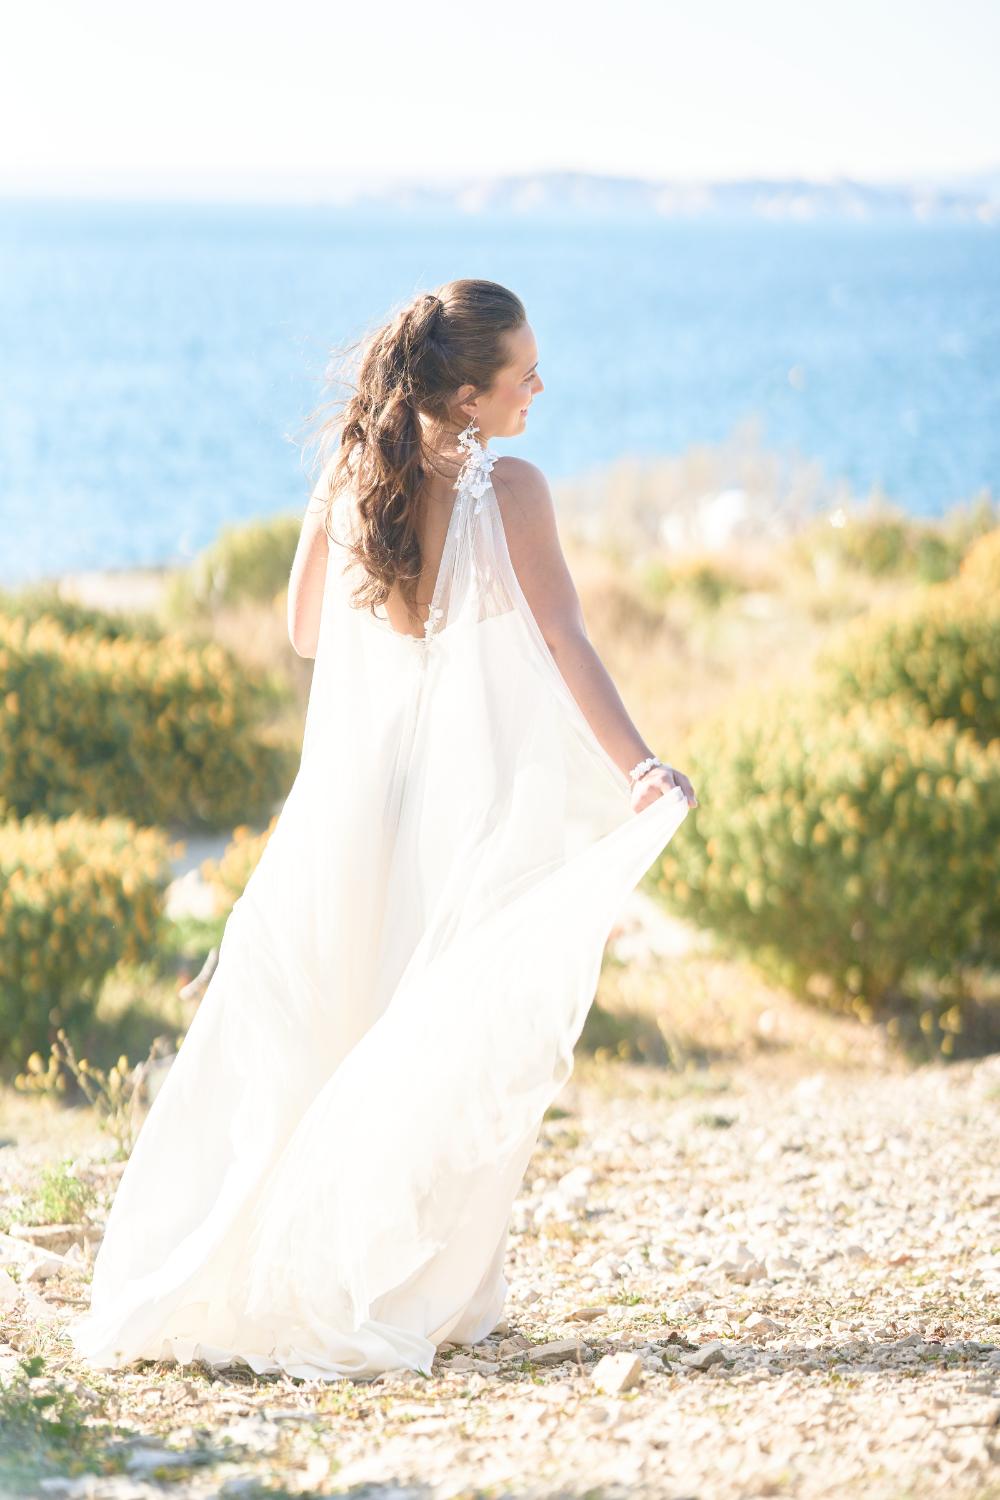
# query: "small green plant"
[712,1121]
[61,1197]
[46,1429]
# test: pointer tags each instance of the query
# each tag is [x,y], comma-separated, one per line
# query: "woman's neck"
[444,459]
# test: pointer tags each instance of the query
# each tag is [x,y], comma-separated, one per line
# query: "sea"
[162,364]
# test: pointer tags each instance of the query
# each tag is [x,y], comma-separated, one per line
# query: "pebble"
[556,1352]
[758,1323]
[586,1314]
[713,1353]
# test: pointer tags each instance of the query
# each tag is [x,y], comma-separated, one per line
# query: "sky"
[156,96]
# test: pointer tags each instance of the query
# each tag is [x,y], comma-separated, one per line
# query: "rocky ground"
[741,1282]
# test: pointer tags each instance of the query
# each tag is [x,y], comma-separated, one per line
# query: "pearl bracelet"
[643,767]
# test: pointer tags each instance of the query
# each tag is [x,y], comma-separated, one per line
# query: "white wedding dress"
[324,1182]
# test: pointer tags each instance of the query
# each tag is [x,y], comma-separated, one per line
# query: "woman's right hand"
[656,782]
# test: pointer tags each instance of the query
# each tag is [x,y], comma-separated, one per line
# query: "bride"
[324,1181]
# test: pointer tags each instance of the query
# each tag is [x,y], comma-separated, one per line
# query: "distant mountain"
[972,197]
[975,198]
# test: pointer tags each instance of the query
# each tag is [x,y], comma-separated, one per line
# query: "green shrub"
[156,731]
[249,561]
[76,898]
[843,854]
[228,876]
[707,580]
[883,545]
[941,649]
[936,557]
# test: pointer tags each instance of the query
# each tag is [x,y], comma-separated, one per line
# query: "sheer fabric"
[324,1182]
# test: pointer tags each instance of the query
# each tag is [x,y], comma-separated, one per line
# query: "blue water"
[157,361]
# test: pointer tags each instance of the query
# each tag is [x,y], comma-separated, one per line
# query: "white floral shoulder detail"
[474,475]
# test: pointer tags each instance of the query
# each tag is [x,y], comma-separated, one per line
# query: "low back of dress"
[399,991]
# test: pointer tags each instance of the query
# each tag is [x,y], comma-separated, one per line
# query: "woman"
[324,1181]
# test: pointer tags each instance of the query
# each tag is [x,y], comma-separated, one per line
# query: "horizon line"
[278,185]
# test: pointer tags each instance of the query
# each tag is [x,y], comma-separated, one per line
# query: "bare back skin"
[435,504]
[308,573]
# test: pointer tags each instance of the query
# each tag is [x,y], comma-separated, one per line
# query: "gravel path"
[743,1283]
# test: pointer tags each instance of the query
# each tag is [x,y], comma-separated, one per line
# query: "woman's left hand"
[655,783]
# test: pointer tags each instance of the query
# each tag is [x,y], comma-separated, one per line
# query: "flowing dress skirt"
[324,1181]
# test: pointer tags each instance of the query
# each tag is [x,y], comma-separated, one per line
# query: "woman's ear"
[467,400]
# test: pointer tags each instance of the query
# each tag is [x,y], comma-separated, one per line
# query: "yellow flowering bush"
[44,599]
[228,876]
[981,564]
[941,649]
[843,853]
[159,730]
[76,898]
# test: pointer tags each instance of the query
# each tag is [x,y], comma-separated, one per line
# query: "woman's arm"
[308,576]
[529,521]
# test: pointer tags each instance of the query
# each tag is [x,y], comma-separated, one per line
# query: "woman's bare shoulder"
[518,474]
[528,518]
[522,492]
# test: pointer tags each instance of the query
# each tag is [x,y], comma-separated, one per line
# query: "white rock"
[555,1353]
[189,895]
[144,1460]
[781,1265]
[515,1344]
[36,1306]
[742,1272]
[44,1266]
[573,1185]
[617,1372]
[585,1314]
[758,1323]
[712,1353]
[15,1252]
[58,1238]
[467,1362]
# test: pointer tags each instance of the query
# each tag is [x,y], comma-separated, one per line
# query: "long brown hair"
[412,364]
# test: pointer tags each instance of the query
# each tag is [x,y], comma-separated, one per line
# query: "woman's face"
[503,410]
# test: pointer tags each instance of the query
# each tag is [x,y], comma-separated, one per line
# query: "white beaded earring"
[469,439]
